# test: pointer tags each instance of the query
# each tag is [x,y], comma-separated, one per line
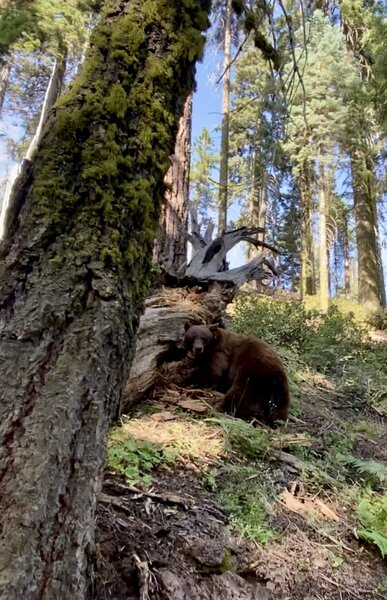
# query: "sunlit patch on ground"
[195,442]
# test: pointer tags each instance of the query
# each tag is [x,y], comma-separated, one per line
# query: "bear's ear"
[187,325]
[214,328]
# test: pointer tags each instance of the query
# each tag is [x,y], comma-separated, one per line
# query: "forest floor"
[216,517]
[197,505]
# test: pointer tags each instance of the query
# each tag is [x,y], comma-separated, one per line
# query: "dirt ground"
[175,540]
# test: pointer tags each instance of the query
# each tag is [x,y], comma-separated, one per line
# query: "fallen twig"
[144,576]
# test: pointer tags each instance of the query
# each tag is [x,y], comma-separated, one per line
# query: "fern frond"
[367,469]
[373,537]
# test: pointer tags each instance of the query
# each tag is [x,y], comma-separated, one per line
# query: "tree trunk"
[307,287]
[5,67]
[323,250]
[54,88]
[171,242]
[76,267]
[366,224]
[224,141]
[257,210]
[363,181]
[262,209]
[382,285]
[347,261]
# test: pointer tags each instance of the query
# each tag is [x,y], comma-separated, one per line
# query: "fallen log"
[161,332]
[208,288]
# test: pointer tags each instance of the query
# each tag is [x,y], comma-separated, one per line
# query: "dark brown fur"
[247,370]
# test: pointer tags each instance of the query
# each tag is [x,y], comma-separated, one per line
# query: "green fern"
[369,470]
[372,515]
[375,538]
[245,439]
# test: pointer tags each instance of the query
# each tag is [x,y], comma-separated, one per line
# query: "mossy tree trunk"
[75,269]
[171,242]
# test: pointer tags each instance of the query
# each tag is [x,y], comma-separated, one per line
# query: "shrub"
[278,323]
[334,340]
[378,319]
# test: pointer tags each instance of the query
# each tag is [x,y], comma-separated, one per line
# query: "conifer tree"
[318,119]
[203,203]
[358,22]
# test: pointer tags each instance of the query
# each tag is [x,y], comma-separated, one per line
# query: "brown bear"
[247,370]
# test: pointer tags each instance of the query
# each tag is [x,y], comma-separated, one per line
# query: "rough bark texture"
[366,223]
[323,250]
[171,243]
[74,275]
[224,141]
[5,67]
[347,260]
[370,282]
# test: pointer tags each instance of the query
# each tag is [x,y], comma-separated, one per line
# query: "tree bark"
[5,67]
[369,284]
[224,140]
[171,242]
[262,209]
[257,201]
[347,260]
[307,287]
[76,267]
[323,250]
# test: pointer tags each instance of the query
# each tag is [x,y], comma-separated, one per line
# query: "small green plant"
[339,442]
[378,319]
[370,471]
[372,514]
[245,439]
[210,480]
[244,495]
[336,561]
[136,459]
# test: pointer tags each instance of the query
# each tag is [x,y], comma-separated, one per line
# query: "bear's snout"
[198,347]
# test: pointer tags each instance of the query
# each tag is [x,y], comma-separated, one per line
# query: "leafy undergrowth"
[216,508]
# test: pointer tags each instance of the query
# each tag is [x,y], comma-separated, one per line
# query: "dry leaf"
[194,405]
[326,511]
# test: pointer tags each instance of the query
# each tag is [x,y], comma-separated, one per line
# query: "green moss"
[101,166]
[227,564]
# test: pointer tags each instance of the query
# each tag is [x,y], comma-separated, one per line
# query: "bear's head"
[199,338]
